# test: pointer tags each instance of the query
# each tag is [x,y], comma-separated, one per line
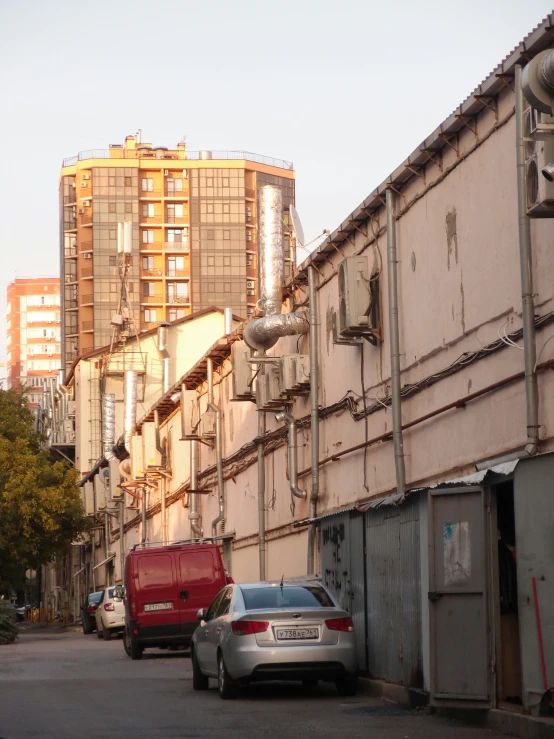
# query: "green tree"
[40,506]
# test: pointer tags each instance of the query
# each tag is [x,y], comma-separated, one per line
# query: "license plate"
[291,634]
[158,607]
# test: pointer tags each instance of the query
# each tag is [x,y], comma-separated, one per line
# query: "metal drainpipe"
[261,498]
[143,533]
[314,417]
[107,537]
[122,537]
[392,271]
[161,451]
[218,448]
[293,452]
[164,354]
[526,268]
[194,515]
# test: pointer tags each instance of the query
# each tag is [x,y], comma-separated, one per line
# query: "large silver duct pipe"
[392,271]
[108,426]
[164,354]
[526,269]
[195,517]
[314,417]
[130,407]
[218,448]
[262,333]
[293,452]
[262,547]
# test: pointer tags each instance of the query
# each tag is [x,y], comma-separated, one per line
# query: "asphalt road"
[66,685]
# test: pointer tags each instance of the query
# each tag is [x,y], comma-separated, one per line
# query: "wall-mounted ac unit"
[295,373]
[538,153]
[207,424]
[86,176]
[114,480]
[358,313]
[137,469]
[71,406]
[100,491]
[337,337]
[249,235]
[249,260]
[81,211]
[276,394]
[251,292]
[185,174]
[166,172]
[149,453]
[86,203]
[242,372]
[87,255]
[189,409]
[84,184]
[89,498]
[250,284]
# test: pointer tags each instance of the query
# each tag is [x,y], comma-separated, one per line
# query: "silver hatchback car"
[274,631]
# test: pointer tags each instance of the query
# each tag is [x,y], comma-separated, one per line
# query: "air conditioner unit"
[250,284]
[288,372]
[87,255]
[71,407]
[538,153]
[337,337]
[249,235]
[72,437]
[242,372]
[81,211]
[89,498]
[149,452]
[185,174]
[251,292]
[207,424]
[114,480]
[262,393]
[84,184]
[275,392]
[86,203]
[166,172]
[86,176]
[249,260]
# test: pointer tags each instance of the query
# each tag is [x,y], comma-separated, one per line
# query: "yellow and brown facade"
[194,234]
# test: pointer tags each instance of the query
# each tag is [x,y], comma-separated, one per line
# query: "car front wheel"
[199,680]
[226,686]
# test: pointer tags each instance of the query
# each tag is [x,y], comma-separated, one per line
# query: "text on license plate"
[297,633]
[158,607]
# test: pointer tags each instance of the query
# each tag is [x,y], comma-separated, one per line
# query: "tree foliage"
[8,628]
[40,506]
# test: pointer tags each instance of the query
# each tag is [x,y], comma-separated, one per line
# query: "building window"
[113,261]
[174,185]
[175,313]
[111,208]
[210,235]
[147,184]
[148,237]
[150,315]
[174,235]
[128,182]
[128,207]
[175,264]
[209,208]
[148,210]
[148,262]
[148,289]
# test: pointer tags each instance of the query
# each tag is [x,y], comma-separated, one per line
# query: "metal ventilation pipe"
[314,417]
[218,448]
[195,517]
[228,321]
[164,354]
[526,269]
[262,333]
[161,451]
[129,407]
[108,426]
[262,547]
[293,453]
[392,271]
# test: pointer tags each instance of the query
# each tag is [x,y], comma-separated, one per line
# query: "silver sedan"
[274,631]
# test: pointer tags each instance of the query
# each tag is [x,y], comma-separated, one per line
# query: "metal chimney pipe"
[228,320]
[526,269]
[293,452]
[194,513]
[314,417]
[108,426]
[392,271]
[164,354]
[130,407]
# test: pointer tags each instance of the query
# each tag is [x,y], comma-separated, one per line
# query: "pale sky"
[346,90]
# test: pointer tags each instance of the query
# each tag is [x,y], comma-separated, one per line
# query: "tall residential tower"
[194,234]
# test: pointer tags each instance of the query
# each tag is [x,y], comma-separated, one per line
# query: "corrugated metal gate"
[371,561]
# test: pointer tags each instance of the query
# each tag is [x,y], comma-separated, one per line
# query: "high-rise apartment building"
[33,334]
[194,234]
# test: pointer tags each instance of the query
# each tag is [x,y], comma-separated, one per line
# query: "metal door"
[460,660]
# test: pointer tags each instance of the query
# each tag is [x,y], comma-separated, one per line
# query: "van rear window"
[198,567]
[154,571]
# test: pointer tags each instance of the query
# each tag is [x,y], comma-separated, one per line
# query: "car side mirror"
[201,614]
[119,591]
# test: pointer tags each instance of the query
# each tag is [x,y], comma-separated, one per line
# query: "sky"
[346,90]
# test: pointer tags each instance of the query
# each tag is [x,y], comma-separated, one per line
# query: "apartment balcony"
[86,220]
[70,278]
[177,194]
[70,252]
[178,273]
[178,300]
[156,246]
[177,219]
[157,298]
[156,272]
[251,273]
[151,194]
[70,199]
[86,273]
[250,220]
[87,326]
[85,246]
[87,299]
[150,220]
[180,246]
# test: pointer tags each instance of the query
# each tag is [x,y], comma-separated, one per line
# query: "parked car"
[88,609]
[274,631]
[110,613]
[164,589]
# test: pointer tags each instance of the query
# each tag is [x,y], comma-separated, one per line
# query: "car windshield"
[298,596]
[94,597]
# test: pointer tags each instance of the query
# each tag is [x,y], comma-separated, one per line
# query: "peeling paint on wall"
[451,236]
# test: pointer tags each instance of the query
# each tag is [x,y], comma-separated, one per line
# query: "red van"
[165,586]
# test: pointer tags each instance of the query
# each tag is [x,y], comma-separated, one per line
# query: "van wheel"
[132,649]
[226,686]
[199,680]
